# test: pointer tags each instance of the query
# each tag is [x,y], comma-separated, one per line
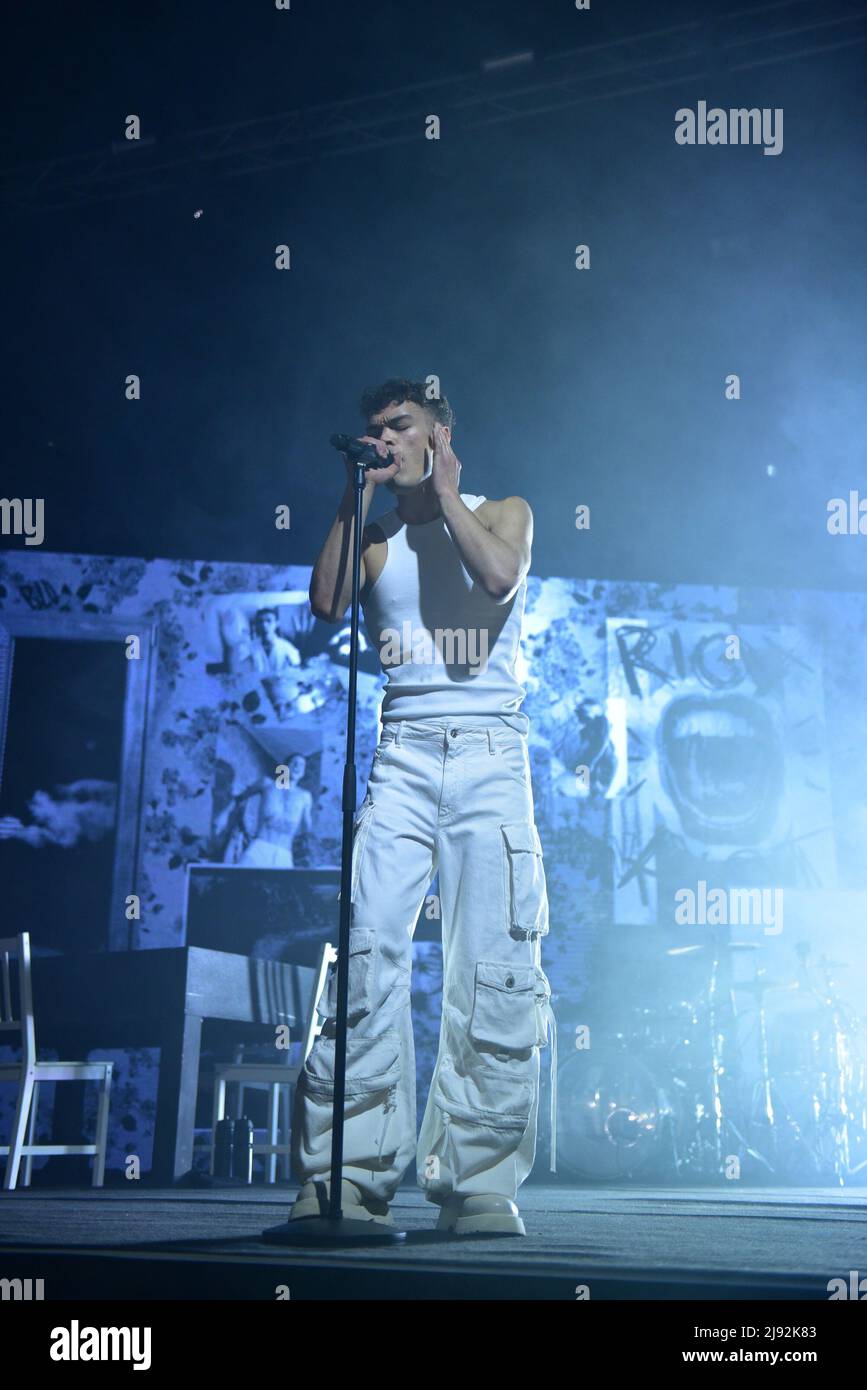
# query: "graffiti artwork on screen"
[265,795]
[268,643]
[728,778]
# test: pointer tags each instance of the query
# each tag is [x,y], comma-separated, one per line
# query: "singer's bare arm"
[331,581]
[496,539]
[494,542]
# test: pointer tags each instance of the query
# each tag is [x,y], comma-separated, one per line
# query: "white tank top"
[448,650]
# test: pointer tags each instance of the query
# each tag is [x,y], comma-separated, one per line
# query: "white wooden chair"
[30,1072]
[272,1077]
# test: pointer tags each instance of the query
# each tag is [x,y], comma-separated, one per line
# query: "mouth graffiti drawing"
[721,764]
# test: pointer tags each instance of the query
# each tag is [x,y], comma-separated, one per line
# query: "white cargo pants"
[454,796]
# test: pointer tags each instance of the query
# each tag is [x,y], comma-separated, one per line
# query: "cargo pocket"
[481,1099]
[372,1066]
[362,942]
[485,1107]
[373,1069]
[526,894]
[504,1007]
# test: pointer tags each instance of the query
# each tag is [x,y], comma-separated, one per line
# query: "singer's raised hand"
[446,470]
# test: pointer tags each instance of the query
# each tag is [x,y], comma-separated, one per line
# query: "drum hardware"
[666,1090]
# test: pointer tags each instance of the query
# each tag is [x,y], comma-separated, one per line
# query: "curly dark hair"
[376,398]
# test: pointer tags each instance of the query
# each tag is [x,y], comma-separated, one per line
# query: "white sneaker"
[312,1200]
[489,1213]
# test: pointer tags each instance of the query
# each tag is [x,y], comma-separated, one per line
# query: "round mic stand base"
[325,1230]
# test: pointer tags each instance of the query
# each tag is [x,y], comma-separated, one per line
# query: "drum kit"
[760,1078]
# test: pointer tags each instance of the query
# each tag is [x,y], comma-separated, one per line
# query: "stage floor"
[622,1243]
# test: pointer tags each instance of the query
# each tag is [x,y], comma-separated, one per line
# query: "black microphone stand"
[335,1228]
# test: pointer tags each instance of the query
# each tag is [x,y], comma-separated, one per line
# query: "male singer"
[443,578]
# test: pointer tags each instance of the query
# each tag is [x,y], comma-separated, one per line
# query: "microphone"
[360,452]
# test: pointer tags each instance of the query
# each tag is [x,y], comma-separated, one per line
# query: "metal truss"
[510,89]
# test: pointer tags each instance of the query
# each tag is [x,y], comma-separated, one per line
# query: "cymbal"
[716,946]
[759,986]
